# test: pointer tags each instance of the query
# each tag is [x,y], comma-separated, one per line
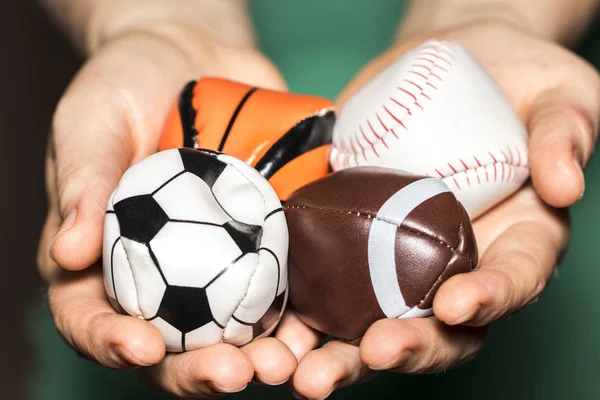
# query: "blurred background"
[549,351]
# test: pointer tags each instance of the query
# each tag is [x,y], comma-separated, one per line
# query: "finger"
[203,373]
[273,362]
[106,110]
[328,368]
[419,345]
[563,130]
[86,320]
[514,269]
[296,335]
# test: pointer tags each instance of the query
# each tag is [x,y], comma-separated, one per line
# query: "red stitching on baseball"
[417,73]
[413,83]
[381,122]
[401,105]
[423,59]
[437,56]
[393,116]
[429,50]
[509,171]
[437,51]
[368,141]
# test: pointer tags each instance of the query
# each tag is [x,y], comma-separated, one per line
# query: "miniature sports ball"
[435,111]
[285,136]
[369,243]
[196,243]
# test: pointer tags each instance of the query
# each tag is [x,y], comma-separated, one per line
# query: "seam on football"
[367,215]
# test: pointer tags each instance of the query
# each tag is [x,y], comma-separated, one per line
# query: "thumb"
[563,130]
[89,157]
[110,116]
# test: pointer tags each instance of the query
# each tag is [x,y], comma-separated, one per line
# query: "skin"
[141,52]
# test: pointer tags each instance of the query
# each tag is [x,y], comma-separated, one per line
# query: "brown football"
[369,243]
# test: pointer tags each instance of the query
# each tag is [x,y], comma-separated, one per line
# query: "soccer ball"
[196,243]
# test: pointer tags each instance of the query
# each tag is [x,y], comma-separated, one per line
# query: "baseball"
[436,112]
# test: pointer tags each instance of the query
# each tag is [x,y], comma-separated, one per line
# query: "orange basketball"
[285,136]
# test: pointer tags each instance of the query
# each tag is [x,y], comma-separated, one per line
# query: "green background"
[548,351]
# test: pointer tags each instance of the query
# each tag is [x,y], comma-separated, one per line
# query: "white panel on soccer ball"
[171,336]
[240,197]
[261,291]
[193,254]
[271,200]
[149,174]
[109,206]
[124,283]
[111,235]
[150,285]
[275,238]
[204,336]
[189,198]
[237,334]
[228,290]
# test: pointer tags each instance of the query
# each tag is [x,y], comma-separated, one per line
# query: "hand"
[520,241]
[110,117]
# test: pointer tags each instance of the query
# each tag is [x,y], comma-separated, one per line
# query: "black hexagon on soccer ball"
[202,163]
[140,217]
[185,308]
[246,236]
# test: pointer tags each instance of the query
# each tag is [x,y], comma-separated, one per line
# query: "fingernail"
[468,315]
[67,223]
[399,361]
[331,391]
[581,175]
[298,396]
[262,379]
[224,389]
[128,356]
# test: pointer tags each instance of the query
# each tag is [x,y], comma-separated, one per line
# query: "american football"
[285,136]
[368,243]
[195,242]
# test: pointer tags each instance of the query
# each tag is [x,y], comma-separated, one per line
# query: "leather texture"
[333,282]
[286,136]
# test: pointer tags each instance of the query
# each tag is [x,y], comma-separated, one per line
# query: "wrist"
[90,23]
[554,20]
[446,15]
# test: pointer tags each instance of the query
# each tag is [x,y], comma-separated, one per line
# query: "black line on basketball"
[187,115]
[234,117]
[307,135]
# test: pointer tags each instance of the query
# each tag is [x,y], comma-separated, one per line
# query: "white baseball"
[436,112]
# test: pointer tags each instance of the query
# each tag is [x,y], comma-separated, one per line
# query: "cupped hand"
[110,117]
[520,241]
